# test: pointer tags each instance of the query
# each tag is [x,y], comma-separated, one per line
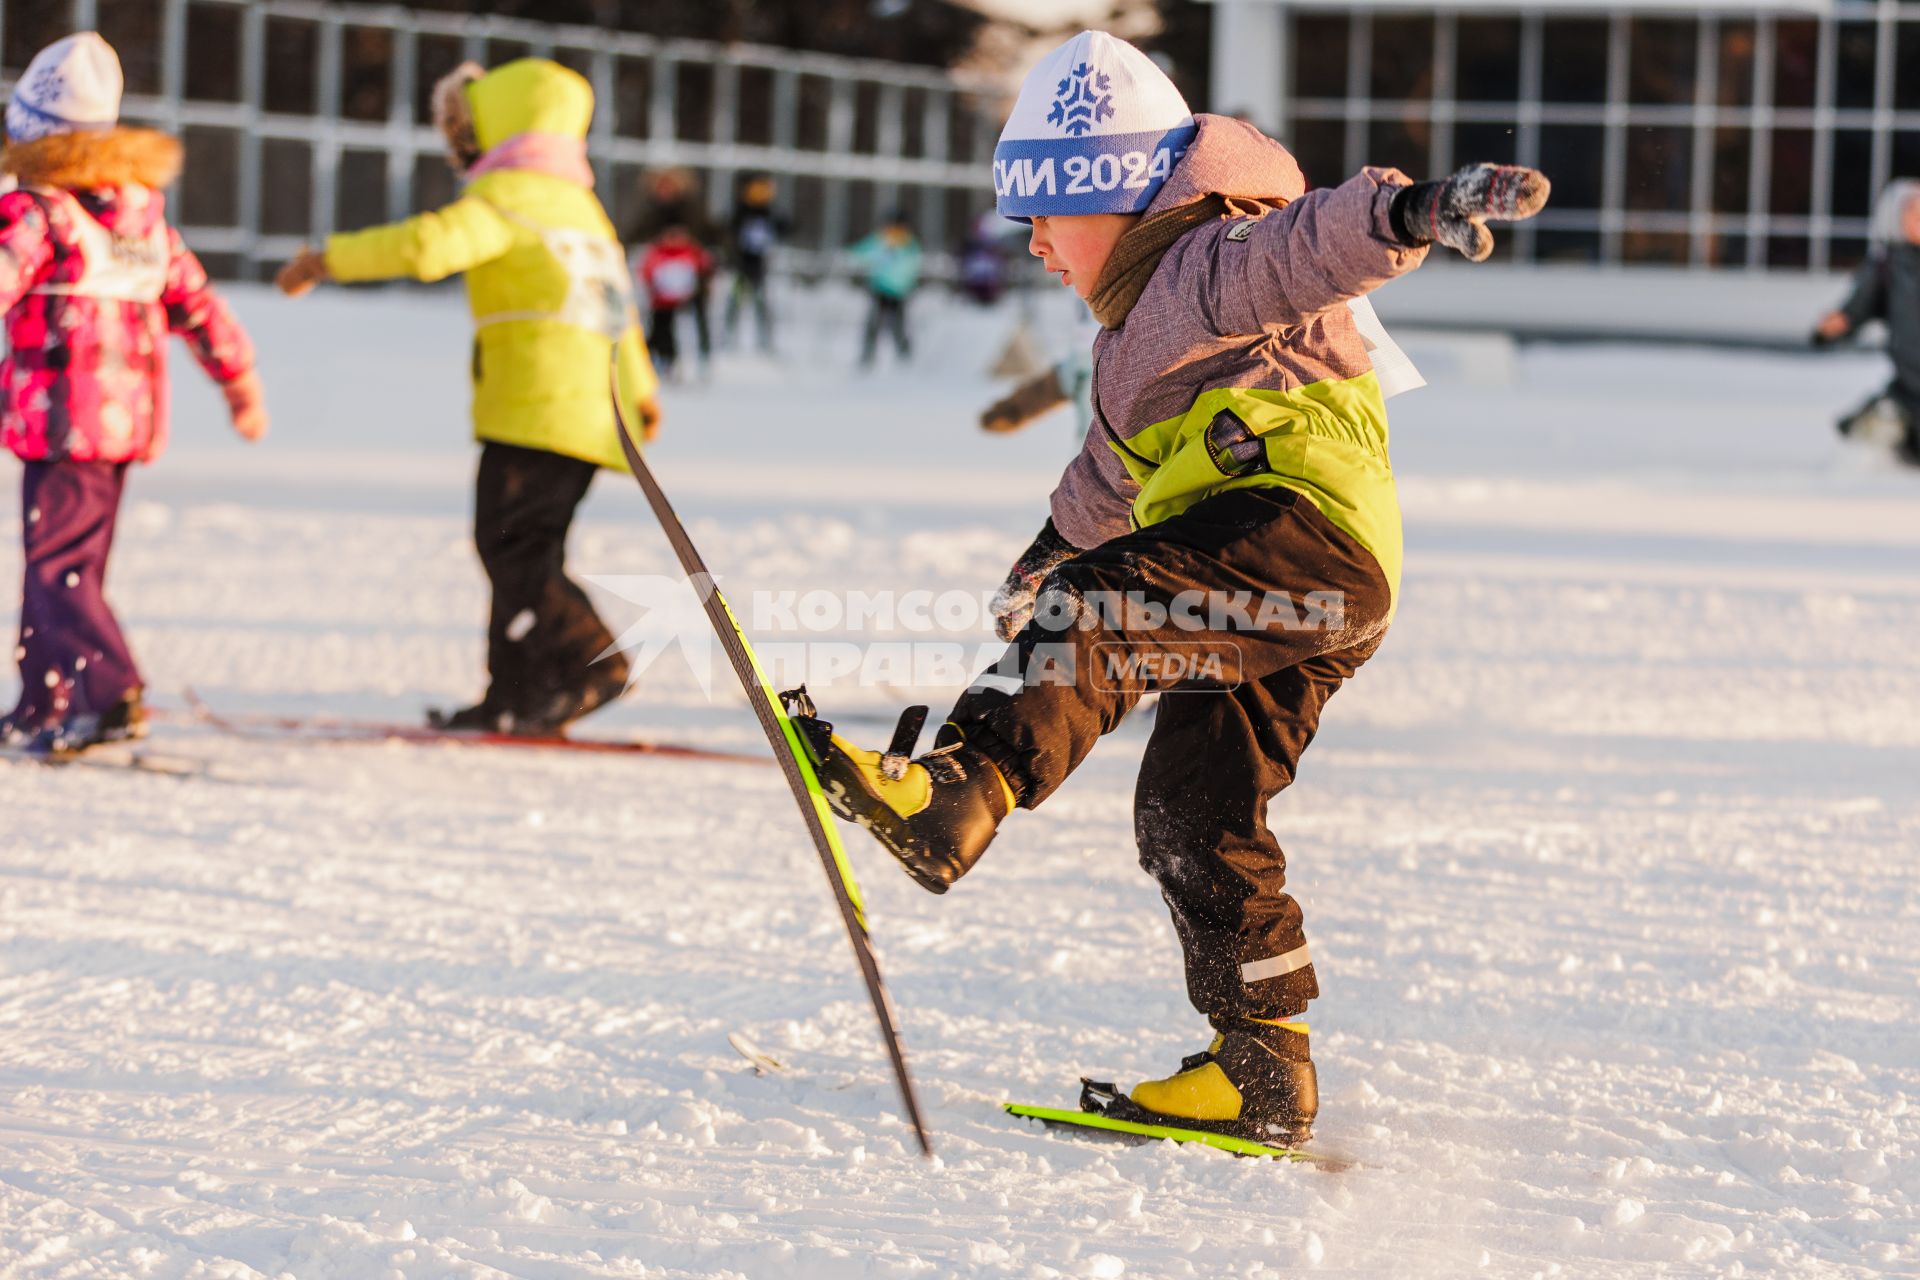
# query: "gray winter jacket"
[1887,287]
[1247,315]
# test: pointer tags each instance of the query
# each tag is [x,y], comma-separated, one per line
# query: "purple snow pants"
[72,655]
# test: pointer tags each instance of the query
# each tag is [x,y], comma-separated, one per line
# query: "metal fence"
[1746,139]
[301,118]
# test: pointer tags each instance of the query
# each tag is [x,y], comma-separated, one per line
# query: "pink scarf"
[553,154]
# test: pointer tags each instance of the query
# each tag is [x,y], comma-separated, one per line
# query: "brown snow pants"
[1177,608]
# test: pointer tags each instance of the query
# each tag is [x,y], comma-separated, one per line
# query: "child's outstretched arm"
[1035,396]
[1338,243]
[1315,253]
[1867,301]
[428,246]
[219,345]
[26,246]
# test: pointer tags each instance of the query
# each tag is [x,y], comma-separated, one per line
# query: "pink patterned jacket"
[92,279]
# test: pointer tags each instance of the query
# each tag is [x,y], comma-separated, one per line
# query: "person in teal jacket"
[891,258]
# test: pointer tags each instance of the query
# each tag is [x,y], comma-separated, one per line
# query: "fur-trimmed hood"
[83,161]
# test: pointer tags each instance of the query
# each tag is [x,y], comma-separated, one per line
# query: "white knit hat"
[1889,209]
[72,84]
[1096,129]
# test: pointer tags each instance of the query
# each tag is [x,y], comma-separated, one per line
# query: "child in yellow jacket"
[552,307]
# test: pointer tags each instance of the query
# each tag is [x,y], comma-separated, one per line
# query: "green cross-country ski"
[1092,1120]
[795,764]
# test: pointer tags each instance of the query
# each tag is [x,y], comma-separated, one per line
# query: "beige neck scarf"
[1138,253]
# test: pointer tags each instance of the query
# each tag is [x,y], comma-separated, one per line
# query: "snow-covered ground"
[1611,861]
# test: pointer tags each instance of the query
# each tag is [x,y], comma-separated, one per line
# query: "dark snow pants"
[886,313]
[543,634]
[663,337]
[1177,608]
[663,332]
[750,289]
[72,656]
[1890,417]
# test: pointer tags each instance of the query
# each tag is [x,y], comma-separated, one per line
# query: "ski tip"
[764,1063]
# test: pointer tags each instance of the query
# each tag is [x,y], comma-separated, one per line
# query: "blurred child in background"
[674,271]
[553,309]
[673,203]
[891,259]
[1887,288]
[92,279]
[983,267]
[756,230]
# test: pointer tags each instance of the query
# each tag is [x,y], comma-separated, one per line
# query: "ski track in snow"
[1609,864]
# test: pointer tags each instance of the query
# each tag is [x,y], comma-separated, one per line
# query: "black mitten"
[1012,604]
[1454,211]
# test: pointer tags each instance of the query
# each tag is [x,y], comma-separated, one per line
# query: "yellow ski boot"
[936,813]
[1255,1082]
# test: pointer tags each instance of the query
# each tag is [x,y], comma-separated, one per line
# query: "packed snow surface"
[1610,860]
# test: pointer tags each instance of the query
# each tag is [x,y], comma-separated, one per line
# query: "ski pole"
[788,750]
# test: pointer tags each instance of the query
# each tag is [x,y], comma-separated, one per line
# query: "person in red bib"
[674,271]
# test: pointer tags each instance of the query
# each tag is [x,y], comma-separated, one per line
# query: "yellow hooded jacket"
[540,259]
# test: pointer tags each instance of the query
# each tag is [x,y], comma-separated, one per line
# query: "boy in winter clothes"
[891,258]
[92,279]
[552,304]
[1229,534]
[1887,287]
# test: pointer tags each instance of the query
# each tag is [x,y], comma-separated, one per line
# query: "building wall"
[1719,139]
[302,118]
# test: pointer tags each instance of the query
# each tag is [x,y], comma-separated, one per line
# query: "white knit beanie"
[1096,129]
[73,84]
[1889,209]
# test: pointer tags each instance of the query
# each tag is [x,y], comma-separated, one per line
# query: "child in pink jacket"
[92,279]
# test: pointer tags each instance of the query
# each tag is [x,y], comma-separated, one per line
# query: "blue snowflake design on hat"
[1082,100]
[45,84]
[1097,128]
[26,120]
